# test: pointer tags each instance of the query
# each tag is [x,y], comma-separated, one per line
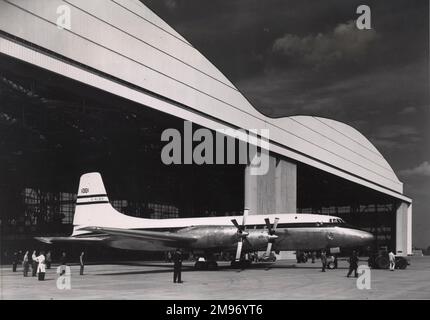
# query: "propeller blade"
[269,249]
[271,237]
[241,233]
[275,224]
[235,224]
[245,216]
[239,250]
[269,227]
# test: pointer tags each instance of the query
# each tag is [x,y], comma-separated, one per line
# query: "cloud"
[345,43]
[395,131]
[171,4]
[392,137]
[408,110]
[421,170]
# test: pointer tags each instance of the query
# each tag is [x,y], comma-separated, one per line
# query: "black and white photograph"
[230,152]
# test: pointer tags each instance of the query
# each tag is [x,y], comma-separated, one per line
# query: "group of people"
[353,262]
[39,263]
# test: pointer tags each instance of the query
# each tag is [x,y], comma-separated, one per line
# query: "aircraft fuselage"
[294,232]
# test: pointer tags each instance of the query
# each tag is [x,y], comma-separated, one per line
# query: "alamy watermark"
[364,279]
[64,278]
[64,20]
[204,146]
[363,22]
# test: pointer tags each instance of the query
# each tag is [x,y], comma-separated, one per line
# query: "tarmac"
[280,280]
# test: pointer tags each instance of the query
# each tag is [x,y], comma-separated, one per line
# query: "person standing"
[15,261]
[63,262]
[41,267]
[177,266]
[323,260]
[33,264]
[48,260]
[25,264]
[353,264]
[81,263]
[392,259]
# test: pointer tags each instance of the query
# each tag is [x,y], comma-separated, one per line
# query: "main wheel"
[240,264]
[212,265]
[401,263]
[200,265]
[382,262]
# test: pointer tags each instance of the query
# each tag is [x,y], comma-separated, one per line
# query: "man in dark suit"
[15,261]
[323,260]
[63,263]
[81,263]
[177,266]
[353,264]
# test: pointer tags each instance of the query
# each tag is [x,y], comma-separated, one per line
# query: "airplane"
[96,221]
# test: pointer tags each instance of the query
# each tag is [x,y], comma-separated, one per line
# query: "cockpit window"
[337,220]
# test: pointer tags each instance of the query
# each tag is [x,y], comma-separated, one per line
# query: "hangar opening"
[54,129]
[101,103]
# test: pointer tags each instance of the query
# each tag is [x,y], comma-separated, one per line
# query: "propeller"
[241,233]
[272,236]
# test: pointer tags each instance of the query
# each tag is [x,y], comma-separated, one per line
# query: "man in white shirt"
[392,259]
[41,268]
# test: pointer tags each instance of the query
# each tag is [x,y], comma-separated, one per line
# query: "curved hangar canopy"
[122,47]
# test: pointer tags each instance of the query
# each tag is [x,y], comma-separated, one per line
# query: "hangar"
[97,96]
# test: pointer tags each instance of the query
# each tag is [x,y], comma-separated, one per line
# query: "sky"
[303,57]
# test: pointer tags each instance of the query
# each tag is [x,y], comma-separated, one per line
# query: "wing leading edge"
[166,237]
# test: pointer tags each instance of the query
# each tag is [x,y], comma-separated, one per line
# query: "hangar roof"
[125,42]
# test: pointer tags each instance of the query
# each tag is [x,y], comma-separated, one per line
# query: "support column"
[286,186]
[274,192]
[250,193]
[404,229]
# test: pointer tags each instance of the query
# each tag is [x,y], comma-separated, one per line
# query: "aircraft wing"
[167,237]
[51,240]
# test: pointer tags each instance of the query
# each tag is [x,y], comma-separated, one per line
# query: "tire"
[382,262]
[401,263]
[199,265]
[212,265]
[240,264]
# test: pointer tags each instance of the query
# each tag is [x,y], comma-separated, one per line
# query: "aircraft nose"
[366,237]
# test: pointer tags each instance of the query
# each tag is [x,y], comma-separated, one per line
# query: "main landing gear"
[206,263]
[240,264]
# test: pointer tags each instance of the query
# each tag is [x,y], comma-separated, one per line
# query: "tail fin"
[92,204]
[91,189]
